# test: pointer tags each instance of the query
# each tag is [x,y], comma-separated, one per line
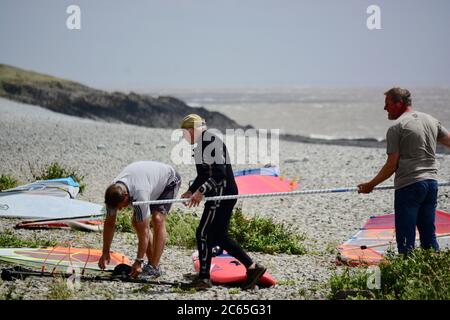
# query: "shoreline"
[362,143]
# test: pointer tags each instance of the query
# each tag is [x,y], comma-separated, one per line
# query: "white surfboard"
[39,206]
[63,187]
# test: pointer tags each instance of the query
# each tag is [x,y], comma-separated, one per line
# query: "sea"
[326,113]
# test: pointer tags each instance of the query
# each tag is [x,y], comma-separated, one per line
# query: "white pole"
[274,194]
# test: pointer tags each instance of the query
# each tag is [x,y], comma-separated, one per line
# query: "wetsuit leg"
[222,237]
[204,238]
[213,230]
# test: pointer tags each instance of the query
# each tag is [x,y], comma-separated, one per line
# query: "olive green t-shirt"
[414,136]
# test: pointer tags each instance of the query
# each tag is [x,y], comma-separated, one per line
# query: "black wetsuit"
[215,178]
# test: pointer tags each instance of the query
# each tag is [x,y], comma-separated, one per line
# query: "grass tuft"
[146,288]
[59,290]
[181,228]
[263,235]
[7,182]
[123,220]
[234,291]
[55,171]
[9,240]
[424,275]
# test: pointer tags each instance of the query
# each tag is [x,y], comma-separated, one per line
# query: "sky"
[135,45]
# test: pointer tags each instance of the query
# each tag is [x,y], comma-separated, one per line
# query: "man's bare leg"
[159,237]
[150,246]
[150,242]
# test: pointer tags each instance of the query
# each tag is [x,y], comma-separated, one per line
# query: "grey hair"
[400,95]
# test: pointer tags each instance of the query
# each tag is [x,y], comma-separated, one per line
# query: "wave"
[330,140]
[326,137]
[348,142]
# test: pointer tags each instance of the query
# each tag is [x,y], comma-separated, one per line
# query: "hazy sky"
[142,44]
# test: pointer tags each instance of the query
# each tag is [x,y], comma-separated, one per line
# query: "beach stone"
[292,160]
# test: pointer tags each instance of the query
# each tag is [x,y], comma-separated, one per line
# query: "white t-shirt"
[145,180]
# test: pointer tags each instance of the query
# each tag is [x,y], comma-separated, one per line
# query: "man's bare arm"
[108,232]
[445,140]
[385,173]
[108,235]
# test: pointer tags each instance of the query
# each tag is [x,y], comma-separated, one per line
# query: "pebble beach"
[32,137]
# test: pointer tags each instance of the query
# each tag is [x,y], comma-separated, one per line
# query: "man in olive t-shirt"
[411,148]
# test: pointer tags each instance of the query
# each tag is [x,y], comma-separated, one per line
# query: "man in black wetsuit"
[214,178]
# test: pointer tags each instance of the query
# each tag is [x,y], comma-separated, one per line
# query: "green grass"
[181,229]
[263,235]
[55,171]
[12,74]
[234,291]
[7,182]
[123,220]
[146,288]
[58,290]
[331,247]
[287,282]
[425,275]
[22,80]
[9,240]
[256,234]
[302,292]
[181,291]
